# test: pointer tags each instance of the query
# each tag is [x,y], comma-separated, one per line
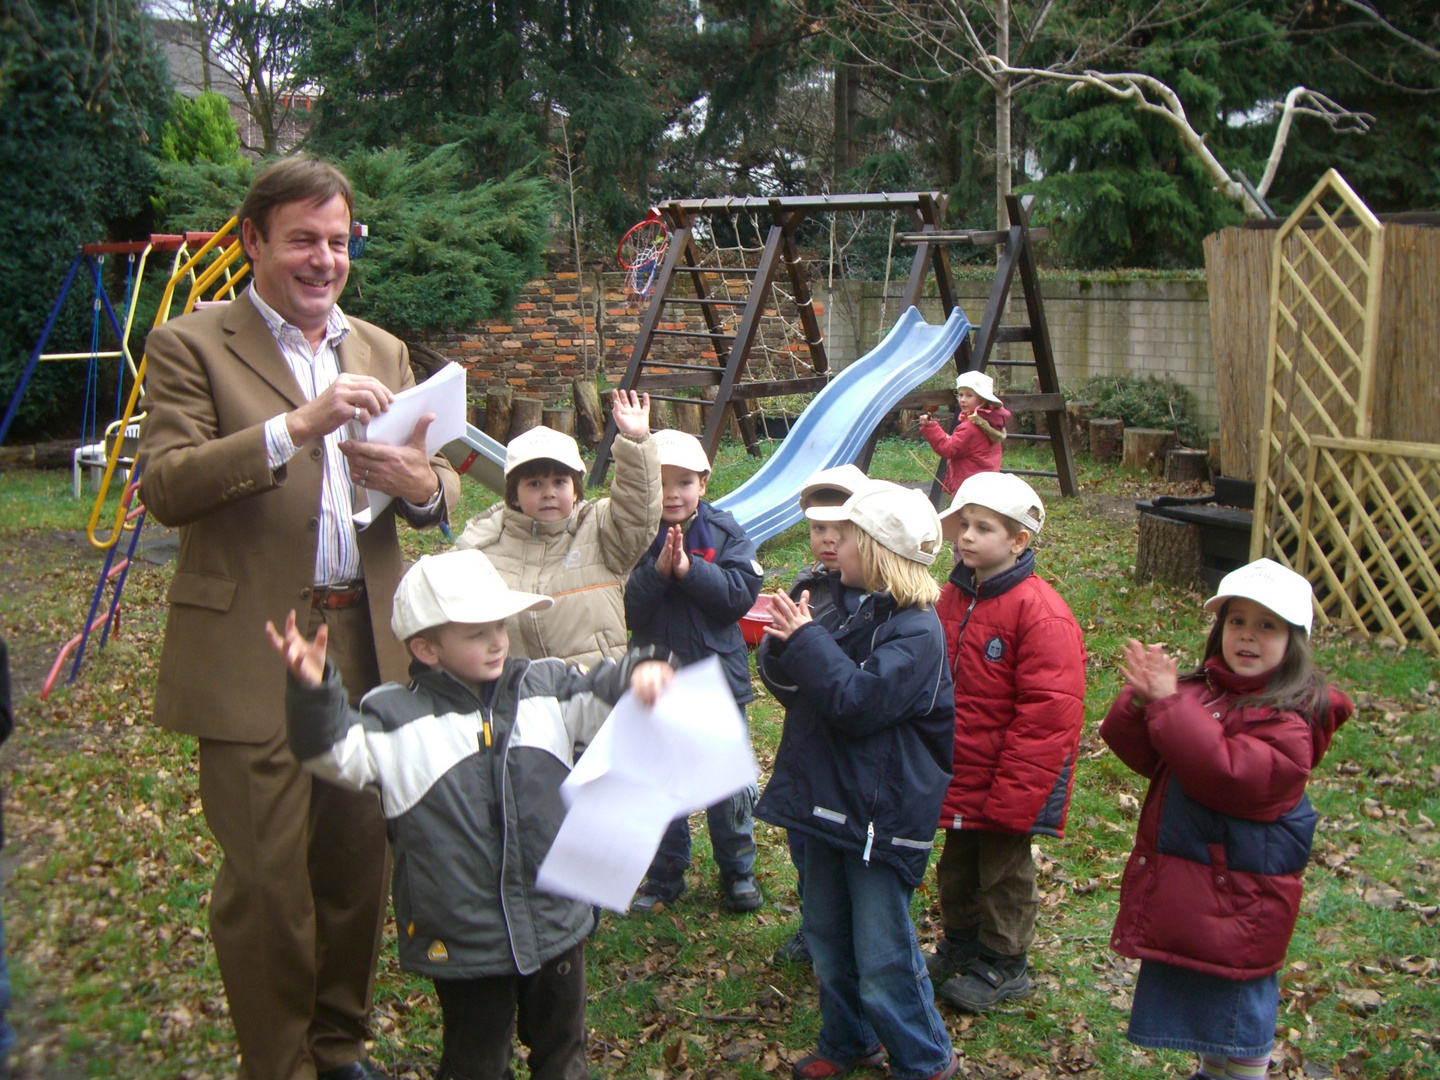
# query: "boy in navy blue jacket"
[688,594]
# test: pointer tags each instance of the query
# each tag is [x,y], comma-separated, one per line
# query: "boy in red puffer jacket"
[1019,666]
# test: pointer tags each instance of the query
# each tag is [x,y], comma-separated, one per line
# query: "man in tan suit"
[249,447]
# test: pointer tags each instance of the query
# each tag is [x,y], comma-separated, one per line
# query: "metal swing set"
[213,264]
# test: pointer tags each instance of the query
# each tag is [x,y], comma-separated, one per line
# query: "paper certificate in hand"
[442,394]
[645,768]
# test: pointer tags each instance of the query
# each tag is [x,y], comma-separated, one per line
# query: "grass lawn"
[108,860]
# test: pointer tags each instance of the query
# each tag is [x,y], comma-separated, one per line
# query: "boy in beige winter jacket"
[546,537]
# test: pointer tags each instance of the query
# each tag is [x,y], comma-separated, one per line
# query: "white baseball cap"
[978,381]
[456,586]
[846,478]
[897,518]
[681,450]
[1007,495]
[543,442]
[1276,587]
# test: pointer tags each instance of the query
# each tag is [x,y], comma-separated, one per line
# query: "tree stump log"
[689,417]
[498,403]
[660,415]
[1145,449]
[558,419]
[476,414]
[1105,440]
[525,413]
[1078,413]
[1167,551]
[1184,466]
[1042,422]
[1214,454]
[589,417]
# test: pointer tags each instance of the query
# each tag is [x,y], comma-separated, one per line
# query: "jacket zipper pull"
[485,730]
[869,842]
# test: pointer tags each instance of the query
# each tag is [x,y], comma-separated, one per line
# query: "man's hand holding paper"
[392,461]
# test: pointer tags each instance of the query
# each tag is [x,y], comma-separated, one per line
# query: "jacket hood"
[963,577]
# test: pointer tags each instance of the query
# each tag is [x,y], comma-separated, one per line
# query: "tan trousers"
[987,883]
[298,905]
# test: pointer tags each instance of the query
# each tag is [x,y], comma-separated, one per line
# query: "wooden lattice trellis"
[1358,517]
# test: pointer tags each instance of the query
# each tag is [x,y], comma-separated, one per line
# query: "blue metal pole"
[39,347]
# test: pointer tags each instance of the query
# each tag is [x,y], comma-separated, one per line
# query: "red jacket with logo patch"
[1213,884]
[1019,665]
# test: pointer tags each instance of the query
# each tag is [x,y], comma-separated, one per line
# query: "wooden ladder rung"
[1025,436]
[713,302]
[1014,333]
[1012,363]
[651,362]
[694,334]
[685,400]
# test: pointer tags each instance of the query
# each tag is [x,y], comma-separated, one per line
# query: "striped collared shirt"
[337,554]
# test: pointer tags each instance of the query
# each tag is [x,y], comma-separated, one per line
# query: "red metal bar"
[465,465]
[70,646]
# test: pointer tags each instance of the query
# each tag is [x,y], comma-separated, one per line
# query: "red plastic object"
[753,623]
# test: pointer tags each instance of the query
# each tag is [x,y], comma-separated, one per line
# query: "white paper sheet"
[645,768]
[442,394]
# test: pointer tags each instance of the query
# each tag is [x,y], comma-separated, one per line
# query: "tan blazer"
[247,536]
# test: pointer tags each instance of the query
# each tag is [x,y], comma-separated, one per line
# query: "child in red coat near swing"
[1211,892]
[977,443]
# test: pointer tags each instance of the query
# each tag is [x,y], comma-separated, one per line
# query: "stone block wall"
[564,327]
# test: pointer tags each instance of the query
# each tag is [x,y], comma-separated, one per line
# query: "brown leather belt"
[337,597]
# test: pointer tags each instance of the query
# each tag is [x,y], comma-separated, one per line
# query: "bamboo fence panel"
[1407,383]
[1237,265]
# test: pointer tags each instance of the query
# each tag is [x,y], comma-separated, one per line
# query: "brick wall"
[1136,327]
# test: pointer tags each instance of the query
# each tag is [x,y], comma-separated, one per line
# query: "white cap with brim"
[456,587]
[978,381]
[897,518]
[681,450]
[543,442]
[1003,493]
[843,478]
[1271,585]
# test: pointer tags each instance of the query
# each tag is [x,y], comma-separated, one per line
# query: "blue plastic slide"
[834,427]
[485,456]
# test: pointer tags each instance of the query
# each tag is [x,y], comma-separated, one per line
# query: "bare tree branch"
[1368,11]
[1150,95]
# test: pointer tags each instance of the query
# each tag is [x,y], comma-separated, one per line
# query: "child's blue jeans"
[873,987]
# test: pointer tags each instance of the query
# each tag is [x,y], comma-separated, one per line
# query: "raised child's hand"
[1149,671]
[651,679]
[665,560]
[631,412]
[786,616]
[924,418]
[306,660]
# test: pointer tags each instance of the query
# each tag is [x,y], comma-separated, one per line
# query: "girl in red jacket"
[1210,894]
[977,443]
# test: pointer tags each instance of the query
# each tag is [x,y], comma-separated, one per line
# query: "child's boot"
[953,954]
[741,893]
[794,951]
[989,980]
[655,894]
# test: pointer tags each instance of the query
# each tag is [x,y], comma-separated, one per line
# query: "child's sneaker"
[655,895]
[742,894]
[952,958]
[815,1067]
[794,951]
[986,983]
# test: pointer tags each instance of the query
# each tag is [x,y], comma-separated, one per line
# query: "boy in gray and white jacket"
[468,759]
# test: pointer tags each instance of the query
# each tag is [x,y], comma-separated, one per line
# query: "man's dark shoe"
[986,983]
[356,1070]
[815,1067]
[795,951]
[741,894]
[656,895]
[952,957]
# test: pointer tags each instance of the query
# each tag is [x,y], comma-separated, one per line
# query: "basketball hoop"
[640,252]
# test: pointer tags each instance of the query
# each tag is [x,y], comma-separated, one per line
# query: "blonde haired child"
[861,771]
[1211,892]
